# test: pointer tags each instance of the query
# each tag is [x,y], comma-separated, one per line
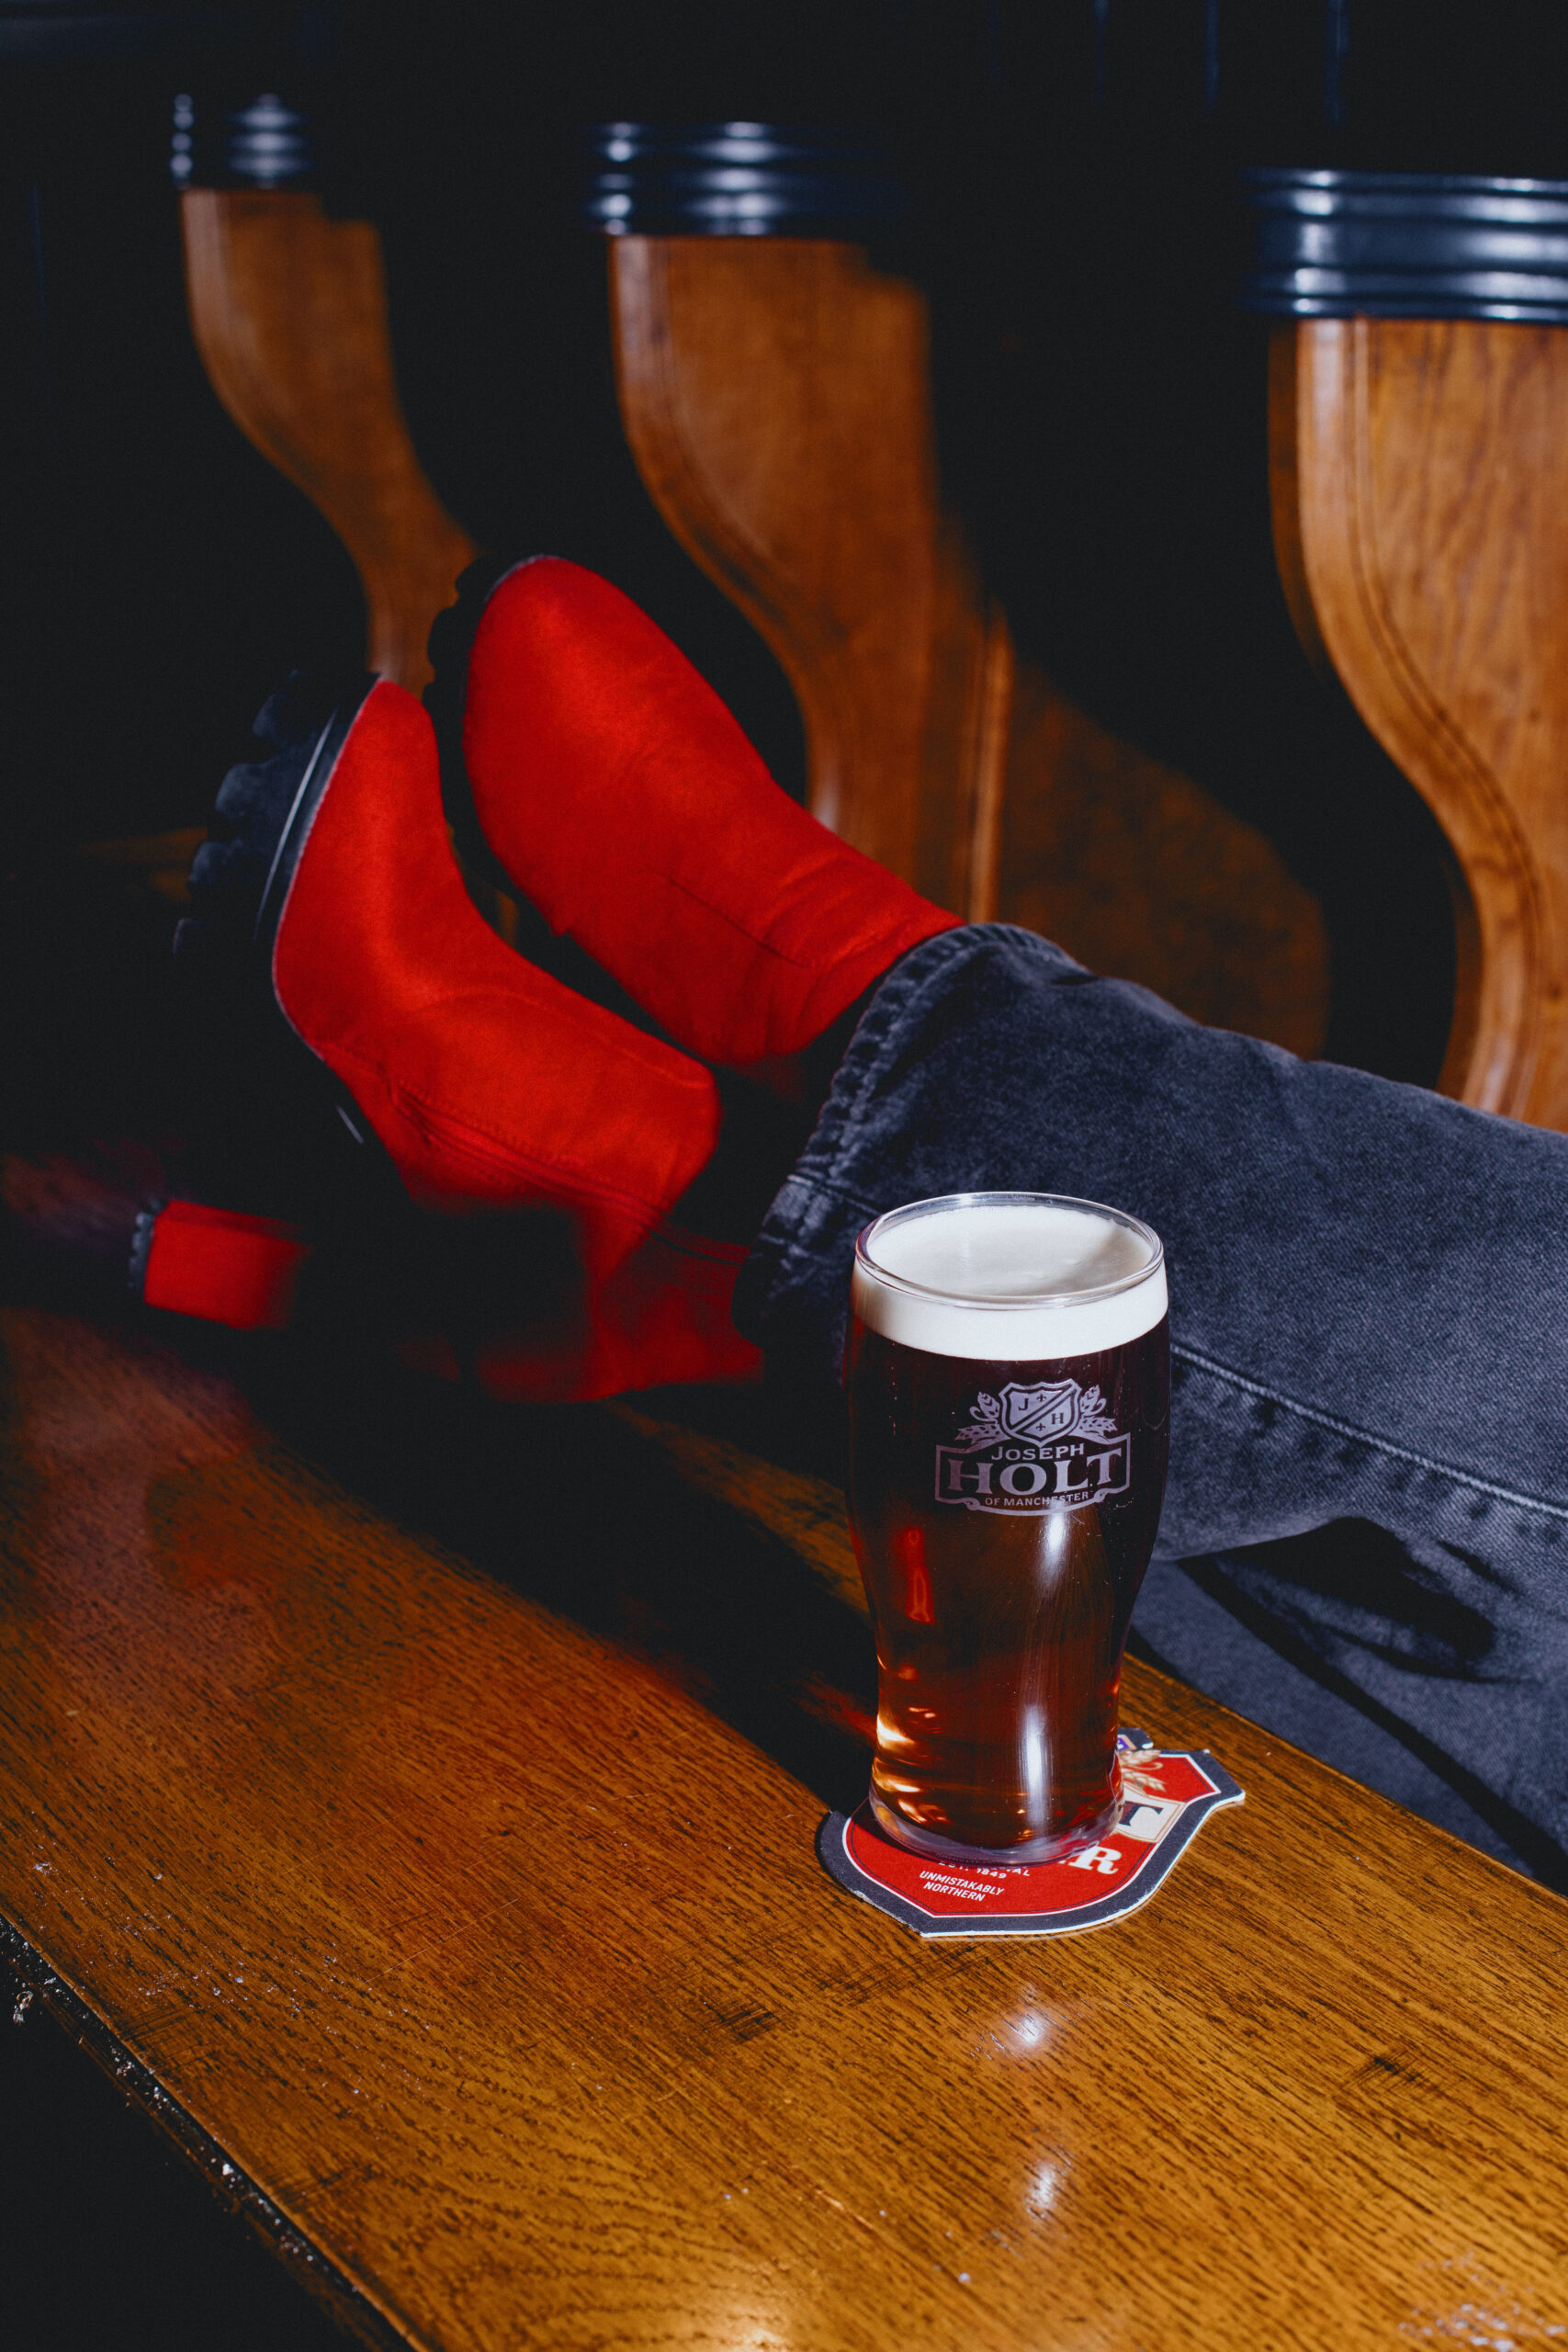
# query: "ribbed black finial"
[737,179]
[267,145]
[1408,244]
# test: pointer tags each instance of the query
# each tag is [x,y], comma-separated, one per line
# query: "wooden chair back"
[776,395]
[775,391]
[288,310]
[1419,474]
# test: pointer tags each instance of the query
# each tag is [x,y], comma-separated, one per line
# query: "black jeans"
[1365,1539]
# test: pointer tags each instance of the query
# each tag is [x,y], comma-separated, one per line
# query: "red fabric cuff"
[225,1267]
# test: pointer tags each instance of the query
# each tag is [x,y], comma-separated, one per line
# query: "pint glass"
[1008,1389]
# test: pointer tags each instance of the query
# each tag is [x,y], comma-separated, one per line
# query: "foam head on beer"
[998,1275]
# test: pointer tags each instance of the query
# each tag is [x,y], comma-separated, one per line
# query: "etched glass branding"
[1028,1447]
[1008,1371]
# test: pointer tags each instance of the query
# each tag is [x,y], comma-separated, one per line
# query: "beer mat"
[1168,1796]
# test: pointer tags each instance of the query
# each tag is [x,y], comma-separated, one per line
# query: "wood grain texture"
[424,1795]
[776,394]
[289,313]
[1420,473]
[776,397]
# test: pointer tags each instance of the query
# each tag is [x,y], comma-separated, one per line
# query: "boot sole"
[240,877]
[301,815]
[238,886]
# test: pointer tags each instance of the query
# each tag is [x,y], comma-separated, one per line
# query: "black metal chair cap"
[267,145]
[736,179]
[1407,245]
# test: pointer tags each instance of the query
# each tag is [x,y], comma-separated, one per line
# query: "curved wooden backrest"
[775,393]
[289,313]
[1420,483]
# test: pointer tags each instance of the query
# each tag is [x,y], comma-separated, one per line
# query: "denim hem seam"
[877,1038]
[1365,1437]
[790,1250]
[823,1188]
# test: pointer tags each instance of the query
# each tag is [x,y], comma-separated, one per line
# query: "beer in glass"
[1008,1391]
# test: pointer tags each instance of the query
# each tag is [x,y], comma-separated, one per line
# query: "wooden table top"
[415,1801]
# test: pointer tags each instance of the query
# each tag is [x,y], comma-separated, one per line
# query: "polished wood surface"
[1420,472]
[414,1799]
[289,313]
[776,396]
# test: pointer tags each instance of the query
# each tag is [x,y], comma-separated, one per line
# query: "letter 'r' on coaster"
[1167,1798]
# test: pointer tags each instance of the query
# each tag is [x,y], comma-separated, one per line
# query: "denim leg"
[1369,1332]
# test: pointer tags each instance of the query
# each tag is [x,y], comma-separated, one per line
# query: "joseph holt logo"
[1033,1446]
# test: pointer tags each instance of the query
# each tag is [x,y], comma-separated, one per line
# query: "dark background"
[1103,425]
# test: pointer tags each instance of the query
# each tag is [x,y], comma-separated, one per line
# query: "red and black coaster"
[1168,1796]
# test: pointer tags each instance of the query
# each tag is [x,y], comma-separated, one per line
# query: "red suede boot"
[624,801]
[485,1081]
[486,1084]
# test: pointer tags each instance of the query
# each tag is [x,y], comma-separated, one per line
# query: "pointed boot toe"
[627,805]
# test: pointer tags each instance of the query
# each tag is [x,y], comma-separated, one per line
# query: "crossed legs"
[624,801]
[1370,1306]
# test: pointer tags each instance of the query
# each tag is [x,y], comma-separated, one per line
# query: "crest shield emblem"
[1039,1444]
[1045,1411]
